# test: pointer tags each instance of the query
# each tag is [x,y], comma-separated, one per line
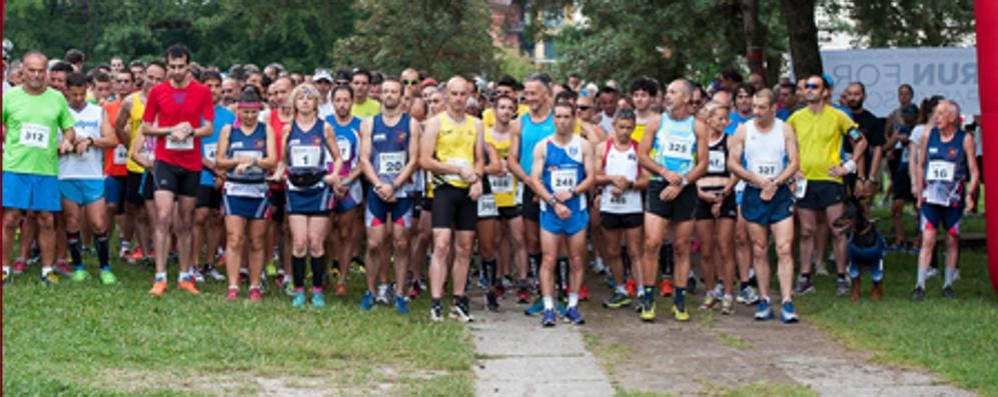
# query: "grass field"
[955,339]
[88,339]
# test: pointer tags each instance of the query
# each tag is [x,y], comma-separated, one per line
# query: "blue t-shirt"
[736,120]
[209,144]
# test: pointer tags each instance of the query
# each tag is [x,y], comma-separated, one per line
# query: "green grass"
[733,341]
[760,389]
[955,339]
[88,339]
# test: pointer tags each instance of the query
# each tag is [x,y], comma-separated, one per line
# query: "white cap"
[322,74]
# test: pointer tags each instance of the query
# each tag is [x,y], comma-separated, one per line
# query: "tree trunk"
[803,33]
[754,40]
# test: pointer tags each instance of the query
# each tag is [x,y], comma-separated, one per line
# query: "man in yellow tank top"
[452,150]
[643,91]
[133,106]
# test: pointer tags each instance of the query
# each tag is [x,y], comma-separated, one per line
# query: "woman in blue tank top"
[247,151]
[348,214]
[307,141]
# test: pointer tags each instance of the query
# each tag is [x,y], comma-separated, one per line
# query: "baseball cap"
[322,74]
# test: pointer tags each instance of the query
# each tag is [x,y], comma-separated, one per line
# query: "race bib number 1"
[305,156]
[35,135]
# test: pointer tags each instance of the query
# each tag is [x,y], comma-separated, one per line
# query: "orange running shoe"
[188,285]
[158,289]
[341,289]
[137,255]
[665,287]
[632,287]
[584,294]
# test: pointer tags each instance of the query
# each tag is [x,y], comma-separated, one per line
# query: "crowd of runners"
[274,180]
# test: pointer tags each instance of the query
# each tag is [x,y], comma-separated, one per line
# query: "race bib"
[35,135]
[391,163]
[940,171]
[345,149]
[801,189]
[715,163]
[678,147]
[210,151]
[487,206]
[305,156]
[767,169]
[120,155]
[186,144]
[564,180]
[501,183]
[251,190]
[615,202]
[254,154]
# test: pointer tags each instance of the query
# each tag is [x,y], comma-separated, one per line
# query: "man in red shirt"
[178,113]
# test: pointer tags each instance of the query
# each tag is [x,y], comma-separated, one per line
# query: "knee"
[256,243]
[652,245]
[784,249]
[806,231]
[402,244]
[235,242]
[373,244]
[441,247]
[613,249]
[46,221]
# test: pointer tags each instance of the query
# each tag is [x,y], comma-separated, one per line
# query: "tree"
[444,37]
[803,35]
[906,23]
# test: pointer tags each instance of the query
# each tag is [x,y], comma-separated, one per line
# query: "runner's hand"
[65,147]
[837,171]
[242,168]
[617,191]
[562,196]
[715,210]
[670,192]
[673,178]
[620,182]
[562,211]
[475,191]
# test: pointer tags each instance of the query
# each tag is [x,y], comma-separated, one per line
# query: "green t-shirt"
[369,108]
[34,124]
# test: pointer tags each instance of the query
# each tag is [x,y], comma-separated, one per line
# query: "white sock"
[548,303]
[46,270]
[161,276]
[622,289]
[573,299]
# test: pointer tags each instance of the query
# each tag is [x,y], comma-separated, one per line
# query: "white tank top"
[622,163]
[89,165]
[765,152]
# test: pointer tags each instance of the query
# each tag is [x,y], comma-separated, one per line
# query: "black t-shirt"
[872,128]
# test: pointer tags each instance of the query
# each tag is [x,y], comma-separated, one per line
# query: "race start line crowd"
[272,174]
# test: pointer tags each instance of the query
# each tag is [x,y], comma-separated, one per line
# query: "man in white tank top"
[81,179]
[771,160]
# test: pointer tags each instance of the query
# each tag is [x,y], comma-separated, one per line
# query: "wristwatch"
[684,182]
[552,202]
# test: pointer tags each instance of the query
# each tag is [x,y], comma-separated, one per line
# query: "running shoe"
[573,316]
[271,269]
[367,302]
[842,287]
[631,286]
[854,290]
[63,268]
[491,301]
[299,300]
[358,265]
[787,313]
[212,271]
[158,288]
[318,300]
[709,301]
[549,318]
[647,309]
[137,255]
[949,293]
[232,294]
[436,313]
[107,277]
[401,306]
[535,308]
[196,274]
[462,310]
[523,295]
[255,294]
[747,296]
[680,313]
[804,286]
[20,265]
[288,286]
[126,255]
[918,294]
[50,279]
[764,312]
[80,275]
[820,268]
[584,294]
[665,287]
[341,289]
[617,301]
[188,285]
[727,305]
[382,297]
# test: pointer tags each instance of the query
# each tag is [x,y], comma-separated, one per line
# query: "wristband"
[552,202]
[850,166]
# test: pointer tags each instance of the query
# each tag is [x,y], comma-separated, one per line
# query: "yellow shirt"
[134,122]
[819,139]
[503,186]
[489,115]
[455,146]
[639,130]
[369,108]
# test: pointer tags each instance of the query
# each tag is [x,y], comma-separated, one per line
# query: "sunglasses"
[810,86]
[584,108]
[123,81]
[410,82]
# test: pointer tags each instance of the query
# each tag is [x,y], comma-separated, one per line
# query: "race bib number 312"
[35,135]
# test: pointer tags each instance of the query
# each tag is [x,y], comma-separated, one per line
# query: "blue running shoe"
[367,302]
[549,318]
[536,308]
[787,313]
[318,300]
[562,308]
[401,306]
[299,300]
[764,311]
[573,316]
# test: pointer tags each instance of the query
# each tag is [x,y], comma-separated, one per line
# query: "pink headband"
[254,105]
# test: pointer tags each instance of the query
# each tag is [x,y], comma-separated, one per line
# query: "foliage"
[443,37]
[906,23]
